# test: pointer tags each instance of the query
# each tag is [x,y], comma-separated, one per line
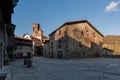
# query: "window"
[65,33]
[51,52]
[106,53]
[60,41]
[78,33]
[60,54]
[51,43]
[84,54]
[59,32]
[52,36]
[87,32]
[81,33]
[59,46]
[92,46]
[80,45]
[94,34]
[19,47]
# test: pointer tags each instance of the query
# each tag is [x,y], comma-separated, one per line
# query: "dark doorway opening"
[60,54]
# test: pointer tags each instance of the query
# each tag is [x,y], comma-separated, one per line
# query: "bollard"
[29,62]
[25,61]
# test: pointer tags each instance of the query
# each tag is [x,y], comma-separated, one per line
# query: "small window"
[84,54]
[51,43]
[52,36]
[92,46]
[59,32]
[59,46]
[87,31]
[80,45]
[106,52]
[94,34]
[19,47]
[60,54]
[59,41]
[81,33]
[51,52]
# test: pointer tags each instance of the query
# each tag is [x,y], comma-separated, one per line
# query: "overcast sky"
[51,14]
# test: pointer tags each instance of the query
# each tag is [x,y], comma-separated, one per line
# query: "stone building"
[74,39]
[23,46]
[6,29]
[46,49]
[107,52]
[38,39]
[30,43]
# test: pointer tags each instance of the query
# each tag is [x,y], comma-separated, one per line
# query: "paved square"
[55,69]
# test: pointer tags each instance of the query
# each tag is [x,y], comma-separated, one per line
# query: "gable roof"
[108,49]
[75,22]
[18,37]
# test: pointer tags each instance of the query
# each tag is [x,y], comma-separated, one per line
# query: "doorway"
[60,54]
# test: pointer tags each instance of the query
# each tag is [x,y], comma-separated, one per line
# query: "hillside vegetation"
[112,42]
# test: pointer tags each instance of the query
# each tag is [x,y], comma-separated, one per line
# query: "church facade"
[38,39]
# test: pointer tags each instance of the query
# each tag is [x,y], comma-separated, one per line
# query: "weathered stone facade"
[22,47]
[46,48]
[6,28]
[107,52]
[38,39]
[75,39]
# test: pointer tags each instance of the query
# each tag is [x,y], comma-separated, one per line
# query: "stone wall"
[75,40]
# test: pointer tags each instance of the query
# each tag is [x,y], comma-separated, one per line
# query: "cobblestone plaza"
[78,69]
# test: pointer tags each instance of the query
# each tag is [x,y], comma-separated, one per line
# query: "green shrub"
[6,61]
[51,56]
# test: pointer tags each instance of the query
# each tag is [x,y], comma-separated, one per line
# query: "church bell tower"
[37,32]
